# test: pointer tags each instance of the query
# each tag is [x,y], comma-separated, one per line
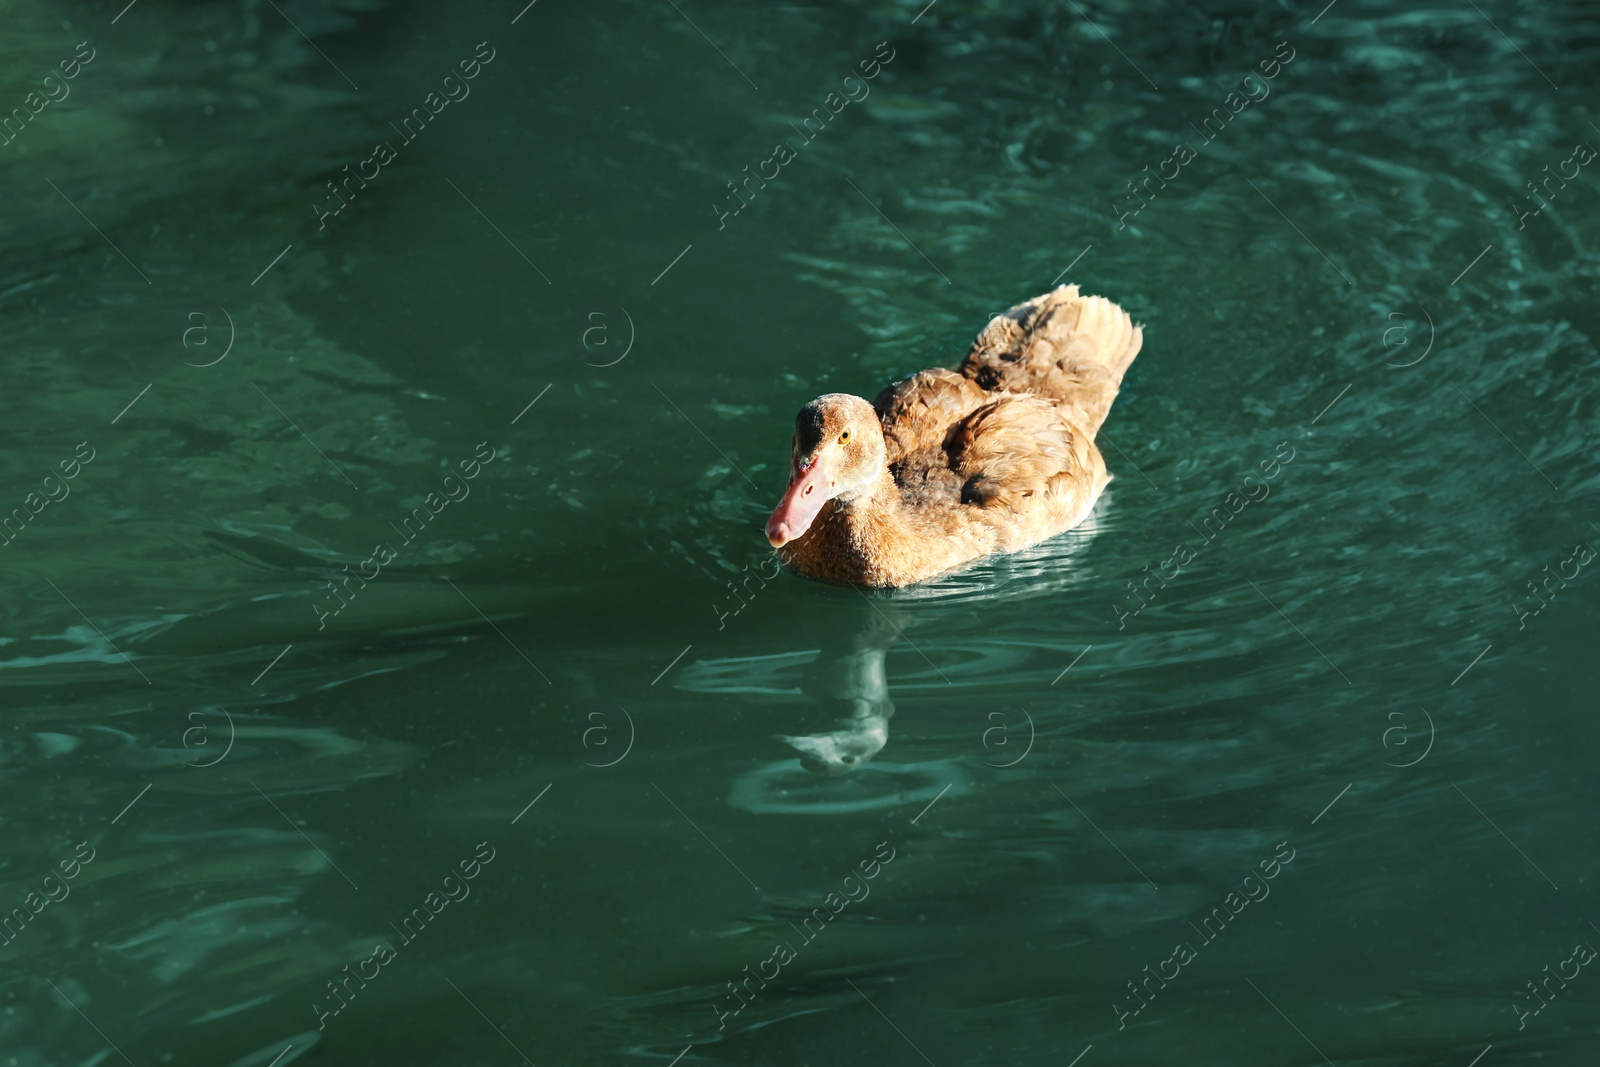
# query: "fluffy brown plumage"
[948,466]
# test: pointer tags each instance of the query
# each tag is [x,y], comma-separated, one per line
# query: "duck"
[947,467]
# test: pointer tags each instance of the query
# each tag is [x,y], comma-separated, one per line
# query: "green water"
[533,790]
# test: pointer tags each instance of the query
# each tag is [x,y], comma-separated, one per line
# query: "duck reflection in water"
[849,682]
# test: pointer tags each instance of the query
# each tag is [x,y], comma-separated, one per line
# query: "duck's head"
[842,751]
[838,452]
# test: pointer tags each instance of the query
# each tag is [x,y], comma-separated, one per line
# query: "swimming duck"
[947,467]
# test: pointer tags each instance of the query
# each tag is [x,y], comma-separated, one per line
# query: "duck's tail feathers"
[1062,345]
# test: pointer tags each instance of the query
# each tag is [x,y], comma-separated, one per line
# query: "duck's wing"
[917,413]
[1061,345]
[1028,465]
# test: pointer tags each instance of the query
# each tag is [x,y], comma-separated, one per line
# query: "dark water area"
[394,668]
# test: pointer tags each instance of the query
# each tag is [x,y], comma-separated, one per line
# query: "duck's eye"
[844,437]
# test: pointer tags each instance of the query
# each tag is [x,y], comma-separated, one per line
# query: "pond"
[396,670]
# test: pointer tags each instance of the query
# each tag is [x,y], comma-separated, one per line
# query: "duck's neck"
[865,539]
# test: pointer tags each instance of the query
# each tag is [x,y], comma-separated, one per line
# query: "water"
[1367,363]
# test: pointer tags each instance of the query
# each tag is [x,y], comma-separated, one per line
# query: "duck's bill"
[799,507]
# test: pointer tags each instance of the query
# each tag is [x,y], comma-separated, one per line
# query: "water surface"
[536,371]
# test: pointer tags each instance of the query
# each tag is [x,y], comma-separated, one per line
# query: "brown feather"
[917,413]
[1061,345]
